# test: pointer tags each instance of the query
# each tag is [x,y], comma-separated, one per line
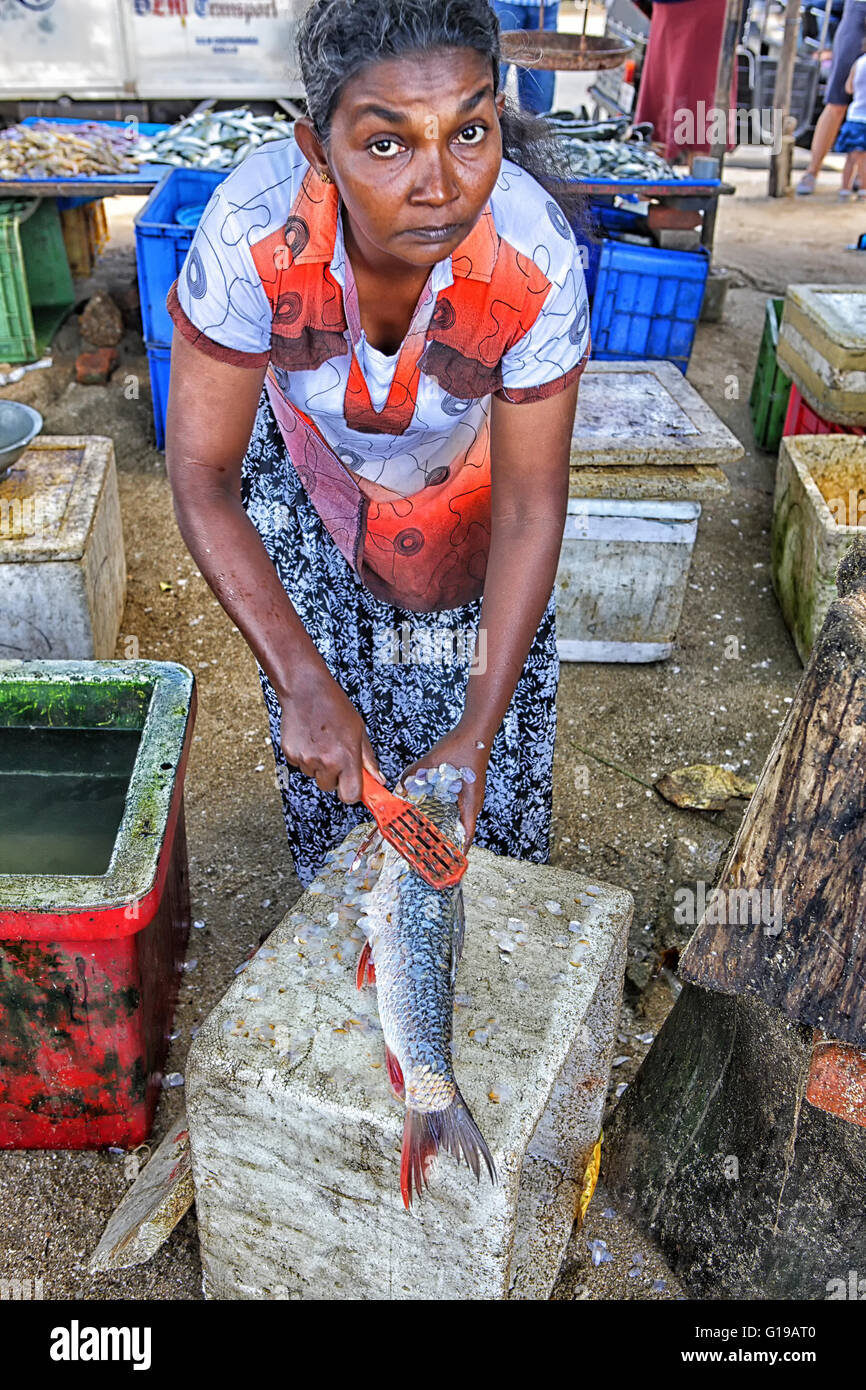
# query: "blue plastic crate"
[647,303]
[161,243]
[159,362]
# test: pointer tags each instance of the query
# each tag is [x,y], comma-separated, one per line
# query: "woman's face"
[415,150]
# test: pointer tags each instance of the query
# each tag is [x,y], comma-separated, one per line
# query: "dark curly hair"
[337,38]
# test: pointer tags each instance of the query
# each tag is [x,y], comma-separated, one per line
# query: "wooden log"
[750,1191]
[802,843]
[741,1145]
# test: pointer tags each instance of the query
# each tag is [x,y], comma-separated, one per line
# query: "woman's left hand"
[458,747]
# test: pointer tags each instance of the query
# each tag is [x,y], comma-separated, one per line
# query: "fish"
[603,149]
[414,943]
[212,139]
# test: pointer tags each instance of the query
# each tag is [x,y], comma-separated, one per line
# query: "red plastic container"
[802,419]
[90,965]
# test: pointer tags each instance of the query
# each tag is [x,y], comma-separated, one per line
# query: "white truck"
[153,58]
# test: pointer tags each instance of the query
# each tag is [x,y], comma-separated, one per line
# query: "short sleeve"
[218,301]
[554,351]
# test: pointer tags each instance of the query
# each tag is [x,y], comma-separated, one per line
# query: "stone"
[94,368]
[684,483]
[62,561]
[296,1137]
[161,1194]
[822,347]
[102,322]
[820,496]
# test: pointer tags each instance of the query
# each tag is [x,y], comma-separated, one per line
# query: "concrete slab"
[62,563]
[645,414]
[296,1137]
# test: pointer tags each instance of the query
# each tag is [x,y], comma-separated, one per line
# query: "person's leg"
[859,176]
[848,173]
[826,130]
[536,87]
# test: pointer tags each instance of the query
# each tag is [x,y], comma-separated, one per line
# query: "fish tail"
[452,1129]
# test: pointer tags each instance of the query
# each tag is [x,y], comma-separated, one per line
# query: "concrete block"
[645,451]
[296,1137]
[62,562]
[822,347]
[622,577]
[820,498]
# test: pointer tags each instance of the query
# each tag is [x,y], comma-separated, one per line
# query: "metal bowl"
[566,52]
[19,426]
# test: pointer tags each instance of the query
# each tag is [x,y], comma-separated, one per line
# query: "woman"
[678,79]
[414,305]
[847,46]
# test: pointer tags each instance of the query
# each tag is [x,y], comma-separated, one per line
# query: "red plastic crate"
[89,974]
[802,419]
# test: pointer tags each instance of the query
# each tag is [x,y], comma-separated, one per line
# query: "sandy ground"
[620,728]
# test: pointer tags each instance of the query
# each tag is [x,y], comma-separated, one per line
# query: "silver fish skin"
[415,936]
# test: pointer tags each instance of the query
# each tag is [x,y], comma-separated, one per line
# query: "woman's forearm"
[521,570]
[232,558]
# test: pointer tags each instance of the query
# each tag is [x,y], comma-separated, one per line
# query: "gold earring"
[325,177]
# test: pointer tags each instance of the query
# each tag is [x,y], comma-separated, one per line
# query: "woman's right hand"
[324,735]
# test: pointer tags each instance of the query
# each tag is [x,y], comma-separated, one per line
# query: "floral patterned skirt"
[405,673]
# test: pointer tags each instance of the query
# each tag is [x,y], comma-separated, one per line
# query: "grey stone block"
[296,1137]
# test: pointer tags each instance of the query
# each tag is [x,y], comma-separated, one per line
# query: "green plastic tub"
[771,387]
[36,292]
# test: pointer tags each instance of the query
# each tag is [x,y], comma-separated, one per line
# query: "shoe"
[846,194]
[806,185]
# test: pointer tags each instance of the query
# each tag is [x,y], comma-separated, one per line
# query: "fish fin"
[366,971]
[426,1132]
[459,933]
[395,1074]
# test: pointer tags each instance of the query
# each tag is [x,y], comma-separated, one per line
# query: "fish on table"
[414,942]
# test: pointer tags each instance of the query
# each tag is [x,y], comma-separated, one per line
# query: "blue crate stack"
[647,303]
[161,244]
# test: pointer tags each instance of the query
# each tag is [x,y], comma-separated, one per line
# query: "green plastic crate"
[36,290]
[771,387]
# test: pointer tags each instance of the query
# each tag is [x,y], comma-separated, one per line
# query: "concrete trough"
[819,506]
[62,563]
[296,1137]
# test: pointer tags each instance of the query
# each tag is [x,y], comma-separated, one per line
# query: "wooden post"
[724,73]
[741,1145]
[780,164]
